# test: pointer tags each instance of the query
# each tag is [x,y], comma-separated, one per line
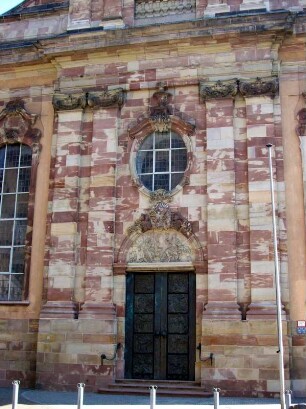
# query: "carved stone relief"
[219,89]
[160,217]
[149,9]
[259,86]
[16,125]
[246,88]
[99,99]
[301,117]
[157,246]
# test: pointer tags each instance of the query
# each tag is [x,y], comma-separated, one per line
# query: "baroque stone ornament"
[301,118]
[149,9]
[160,217]
[218,89]
[160,112]
[66,102]
[156,246]
[258,87]
[104,99]
[16,125]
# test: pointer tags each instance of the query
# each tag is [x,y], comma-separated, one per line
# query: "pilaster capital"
[259,87]
[218,89]
[105,98]
[68,102]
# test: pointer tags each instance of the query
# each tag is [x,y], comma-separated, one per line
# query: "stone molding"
[267,86]
[98,99]
[16,125]
[149,9]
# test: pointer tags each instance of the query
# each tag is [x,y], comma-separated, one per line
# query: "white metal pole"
[15,394]
[152,396]
[277,289]
[216,397]
[81,387]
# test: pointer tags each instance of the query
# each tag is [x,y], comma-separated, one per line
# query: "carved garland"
[99,99]
[247,88]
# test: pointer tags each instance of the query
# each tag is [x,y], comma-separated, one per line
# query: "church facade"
[135,207]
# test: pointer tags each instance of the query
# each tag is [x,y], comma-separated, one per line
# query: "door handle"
[157,334]
[164,334]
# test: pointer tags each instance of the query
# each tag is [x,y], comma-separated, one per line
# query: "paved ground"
[68,400]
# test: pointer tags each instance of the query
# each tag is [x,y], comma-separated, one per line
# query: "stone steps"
[164,388]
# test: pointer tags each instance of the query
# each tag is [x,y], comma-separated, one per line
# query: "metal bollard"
[152,396]
[216,397]
[15,394]
[288,393]
[81,387]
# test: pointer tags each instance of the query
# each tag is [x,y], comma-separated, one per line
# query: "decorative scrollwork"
[218,89]
[105,98]
[16,124]
[68,102]
[259,86]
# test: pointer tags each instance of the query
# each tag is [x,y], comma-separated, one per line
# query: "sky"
[6,5]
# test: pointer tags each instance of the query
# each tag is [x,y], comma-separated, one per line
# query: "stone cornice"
[41,48]
[267,86]
[99,99]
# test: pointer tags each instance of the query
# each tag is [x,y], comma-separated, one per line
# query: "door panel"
[160,326]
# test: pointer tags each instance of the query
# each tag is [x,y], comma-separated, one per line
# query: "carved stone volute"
[16,125]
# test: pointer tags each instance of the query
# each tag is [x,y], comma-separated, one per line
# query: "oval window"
[161,161]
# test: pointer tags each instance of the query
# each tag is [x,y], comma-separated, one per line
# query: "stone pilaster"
[64,218]
[221,214]
[260,130]
[101,207]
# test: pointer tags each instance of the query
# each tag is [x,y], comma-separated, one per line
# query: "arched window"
[15,176]
[161,161]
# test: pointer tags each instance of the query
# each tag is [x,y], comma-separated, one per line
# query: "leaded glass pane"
[178,160]
[24,179]
[147,181]
[1,180]
[177,141]
[25,156]
[10,180]
[18,260]
[147,144]
[162,161]
[162,140]
[2,157]
[4,286]
[16,287]
[8,206]
[12,156]
[6,232]
[176,179]
[145,162]
[20,232]
[5,259]
[161,181]
[22,205]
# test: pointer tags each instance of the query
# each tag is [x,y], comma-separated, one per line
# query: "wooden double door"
[160,326]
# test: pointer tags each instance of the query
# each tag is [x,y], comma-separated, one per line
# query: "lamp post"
[277,289]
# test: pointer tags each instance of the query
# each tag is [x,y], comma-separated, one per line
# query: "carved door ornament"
[16,126]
